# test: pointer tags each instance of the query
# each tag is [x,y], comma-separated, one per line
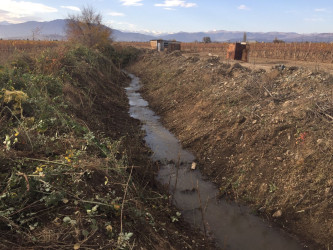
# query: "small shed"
[157,44]
[173,45]
[161,45]
[238,51]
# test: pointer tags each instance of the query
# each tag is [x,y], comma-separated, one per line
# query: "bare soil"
[266,63]
[261,131]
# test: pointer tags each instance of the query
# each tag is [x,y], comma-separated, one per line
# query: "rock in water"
[277,214]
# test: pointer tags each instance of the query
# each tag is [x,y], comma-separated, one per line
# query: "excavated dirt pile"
[264,137]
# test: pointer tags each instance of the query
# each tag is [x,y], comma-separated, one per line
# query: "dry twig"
[26,179]
[122,205]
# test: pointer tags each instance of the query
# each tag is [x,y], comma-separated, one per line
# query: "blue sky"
[301,16]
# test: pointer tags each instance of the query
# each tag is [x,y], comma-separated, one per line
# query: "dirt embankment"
[264,137]
[75,172]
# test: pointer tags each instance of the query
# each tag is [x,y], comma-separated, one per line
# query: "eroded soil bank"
[264,137]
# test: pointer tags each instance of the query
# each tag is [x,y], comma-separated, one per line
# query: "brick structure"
[238,51]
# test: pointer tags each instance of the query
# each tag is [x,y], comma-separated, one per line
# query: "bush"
[87,29]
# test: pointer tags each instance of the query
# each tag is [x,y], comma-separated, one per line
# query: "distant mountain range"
[4,23]
[55,30]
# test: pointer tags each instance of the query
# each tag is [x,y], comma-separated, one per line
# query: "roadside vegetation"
[74,171]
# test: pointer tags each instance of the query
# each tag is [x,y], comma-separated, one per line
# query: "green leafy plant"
[272,187]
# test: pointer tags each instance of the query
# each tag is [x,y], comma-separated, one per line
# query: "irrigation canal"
[231,225]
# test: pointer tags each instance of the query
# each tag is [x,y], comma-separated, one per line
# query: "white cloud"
[153,32]
[322,10]
[168,4]
[19,11]
[116,14]
[243,7]
[71,8]
[121,25]
[132,2]
[22,8]
[314,19]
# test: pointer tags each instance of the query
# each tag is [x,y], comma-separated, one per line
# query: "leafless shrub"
[87,28]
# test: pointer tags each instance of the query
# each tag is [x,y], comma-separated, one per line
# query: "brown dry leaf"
[109,228]
[77,246]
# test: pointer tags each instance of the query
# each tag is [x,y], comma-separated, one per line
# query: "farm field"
[26,45]
[311,52]
[8,48]
[313,55]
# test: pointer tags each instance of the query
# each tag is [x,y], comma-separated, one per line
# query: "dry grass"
[205,47]
[140,45]
[311,52]
[10,48]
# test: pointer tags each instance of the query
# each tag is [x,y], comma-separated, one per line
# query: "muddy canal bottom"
[232,226]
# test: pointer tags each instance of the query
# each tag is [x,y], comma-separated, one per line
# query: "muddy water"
[232,226]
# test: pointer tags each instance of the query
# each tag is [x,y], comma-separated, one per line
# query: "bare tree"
[276,40]
[36,33]
[87,28]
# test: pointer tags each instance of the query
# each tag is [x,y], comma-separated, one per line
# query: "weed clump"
[53,164]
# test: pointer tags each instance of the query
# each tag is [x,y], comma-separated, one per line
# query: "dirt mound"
[264,137]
